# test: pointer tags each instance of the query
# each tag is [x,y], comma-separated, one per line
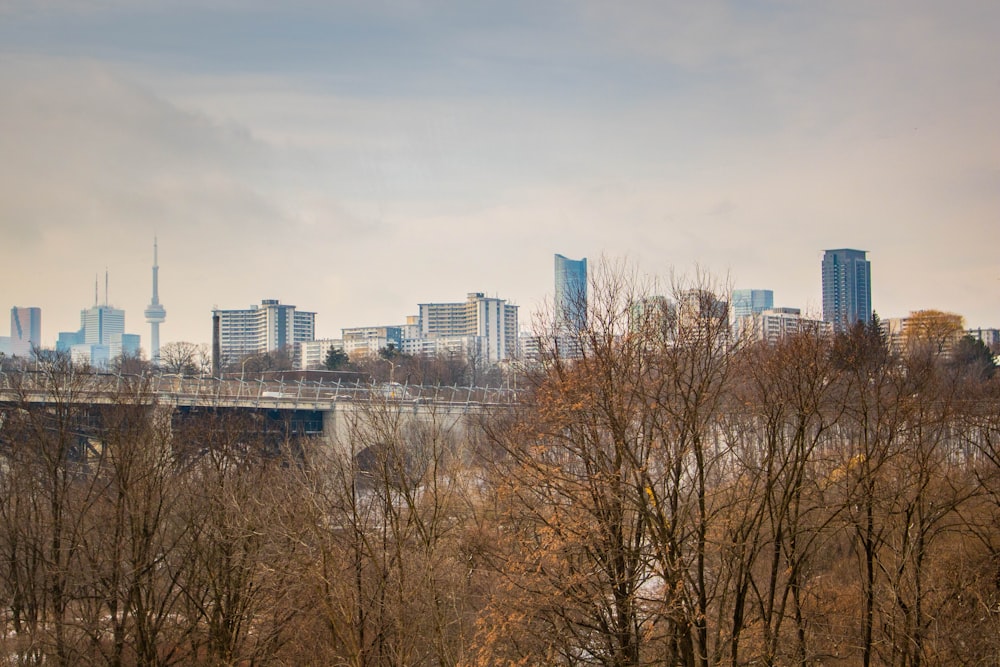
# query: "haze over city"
[358,159]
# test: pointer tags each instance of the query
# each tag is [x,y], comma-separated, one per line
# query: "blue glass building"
[751,302]
[571,294]
[847,288]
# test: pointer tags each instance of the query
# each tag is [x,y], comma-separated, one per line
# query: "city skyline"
[361,160]
[745,301]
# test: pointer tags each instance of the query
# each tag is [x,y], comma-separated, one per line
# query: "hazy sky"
[358,158]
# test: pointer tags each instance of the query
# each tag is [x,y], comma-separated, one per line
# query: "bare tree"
[47,448]
[385,526]
[606,482]
[782,418]
[182,358]
[240,500]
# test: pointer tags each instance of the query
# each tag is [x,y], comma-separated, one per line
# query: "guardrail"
[255,392]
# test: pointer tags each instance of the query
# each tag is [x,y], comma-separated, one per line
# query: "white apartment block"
[411,329]
[773,324]
[445,346]
[529,346]
[366,347]
[939,330]
[367,341]
[311,354]
[492,320]
[268,327]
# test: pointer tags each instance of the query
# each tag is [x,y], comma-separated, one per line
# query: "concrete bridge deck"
[332,401]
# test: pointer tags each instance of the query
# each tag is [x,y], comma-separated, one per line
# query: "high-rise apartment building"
[570,294]
[268,327]
[25,330]
[491,320]
[847,289]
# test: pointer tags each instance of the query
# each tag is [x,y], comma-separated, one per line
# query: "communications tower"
[155,313]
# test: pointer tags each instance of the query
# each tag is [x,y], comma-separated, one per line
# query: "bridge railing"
[258,391]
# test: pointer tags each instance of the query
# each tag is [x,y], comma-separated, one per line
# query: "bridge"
[316,406]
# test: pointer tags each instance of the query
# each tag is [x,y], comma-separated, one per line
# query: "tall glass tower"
[571,294]
[847,288]
[751,301]
[25,330]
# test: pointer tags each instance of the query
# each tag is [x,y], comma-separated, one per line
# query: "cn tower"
[155,313]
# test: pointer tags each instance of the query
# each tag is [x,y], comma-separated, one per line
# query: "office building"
[101,338]
[570,294]
[155,313]
[751,301]
[25,331]
[100,324]
[655,317]
[491,320]
[847,291]
[124,344]
[269,327]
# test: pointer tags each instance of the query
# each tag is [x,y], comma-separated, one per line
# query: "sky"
[359,158]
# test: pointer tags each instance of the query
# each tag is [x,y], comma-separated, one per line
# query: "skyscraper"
[25,330]
[751,301]
[100,323]
[847,288]
[101,337]
[571,294]
[155,313]
[104,337]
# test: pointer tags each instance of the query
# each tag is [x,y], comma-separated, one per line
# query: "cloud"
[363,160]
[95,164]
